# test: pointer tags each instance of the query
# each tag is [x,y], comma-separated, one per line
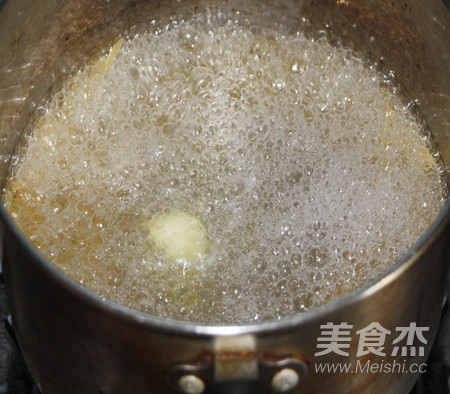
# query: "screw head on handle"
[191,384]
[285,380]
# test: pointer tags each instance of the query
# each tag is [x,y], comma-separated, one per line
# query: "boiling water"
[307,172]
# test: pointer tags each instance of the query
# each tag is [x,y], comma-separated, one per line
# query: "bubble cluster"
[310,174]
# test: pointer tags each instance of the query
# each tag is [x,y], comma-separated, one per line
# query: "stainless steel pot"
[74,341]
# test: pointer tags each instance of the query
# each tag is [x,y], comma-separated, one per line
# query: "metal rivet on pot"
[285,380]
[191,384]
[282,374]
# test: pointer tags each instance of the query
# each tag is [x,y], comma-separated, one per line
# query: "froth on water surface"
[307,174]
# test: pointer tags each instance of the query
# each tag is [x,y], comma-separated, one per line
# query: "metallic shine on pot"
[75,341]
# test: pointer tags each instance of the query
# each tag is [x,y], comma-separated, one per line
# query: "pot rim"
[191,328]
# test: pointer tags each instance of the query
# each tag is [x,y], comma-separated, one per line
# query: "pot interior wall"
[42,42]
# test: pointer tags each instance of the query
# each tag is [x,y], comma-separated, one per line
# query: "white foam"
[310,176]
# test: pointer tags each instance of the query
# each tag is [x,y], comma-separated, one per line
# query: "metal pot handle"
[238,372]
